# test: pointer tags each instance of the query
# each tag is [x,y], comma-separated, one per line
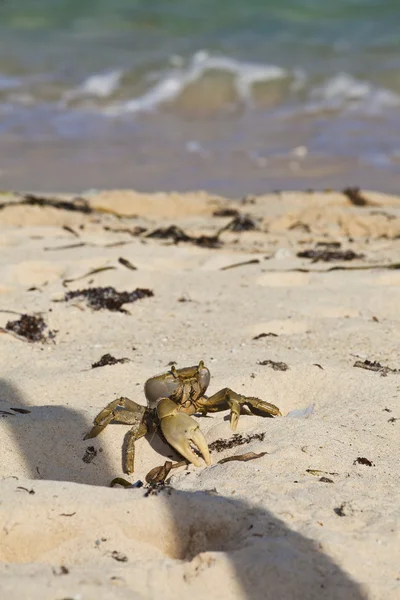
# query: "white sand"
[267,528]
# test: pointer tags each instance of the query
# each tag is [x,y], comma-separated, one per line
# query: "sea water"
[231,96]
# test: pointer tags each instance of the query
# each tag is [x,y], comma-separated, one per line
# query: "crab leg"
[121,410]
[179,429]
[227,398]
[134,434]
[126,411]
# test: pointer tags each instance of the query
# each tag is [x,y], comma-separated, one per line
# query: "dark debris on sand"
[375,366]
[356,197]
[107,359]
[108,298]
[277,366]
[176,234]
[263,335]
[241,223]
[31,327]
[323,255]
[226,212]
[361,460]
[236,440]
[75,205]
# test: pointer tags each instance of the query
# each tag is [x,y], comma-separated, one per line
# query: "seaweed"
[240,223]
[319,472]
[29,328]
[355,196]
[277,366]
[376,367]
[226,212]
[62,571]
[75,205]
[126,263]
[107,359]
[134,231]
[153,489]
[329,255]
[340,510]
[361,460]
[208,241]
[90,454]
[31,491]
[236,440]
[108,298]
[263,335]
[119,556]
[328,245]
[70,230]
[176,234]
[173,232]
[242,457]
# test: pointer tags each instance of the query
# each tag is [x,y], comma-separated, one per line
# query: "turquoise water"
[232,96]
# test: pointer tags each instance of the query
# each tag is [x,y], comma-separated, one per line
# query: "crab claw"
[179,429]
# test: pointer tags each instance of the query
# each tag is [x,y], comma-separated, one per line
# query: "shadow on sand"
[257,555]
[61,454]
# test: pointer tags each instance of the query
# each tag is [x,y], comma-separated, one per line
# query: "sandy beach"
[290,297]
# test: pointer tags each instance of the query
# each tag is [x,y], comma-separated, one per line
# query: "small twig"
[336,268]
[92,272]
[68,247]
[253,261]
[242,457]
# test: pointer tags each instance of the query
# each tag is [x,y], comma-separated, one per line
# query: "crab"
[172,398]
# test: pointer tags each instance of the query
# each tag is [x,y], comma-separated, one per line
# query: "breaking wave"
[177,79]
[203,82]
[345,92]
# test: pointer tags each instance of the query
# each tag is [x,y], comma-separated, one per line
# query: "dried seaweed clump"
[173,232]
[277,366]
[236,440]
[317,255]
[241,223]
[176,234]
[108,297]
[107,359]
[30,327]
[375,366]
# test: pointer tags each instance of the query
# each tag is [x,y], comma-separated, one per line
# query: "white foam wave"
[344,91]
[100,85]
[173,83]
